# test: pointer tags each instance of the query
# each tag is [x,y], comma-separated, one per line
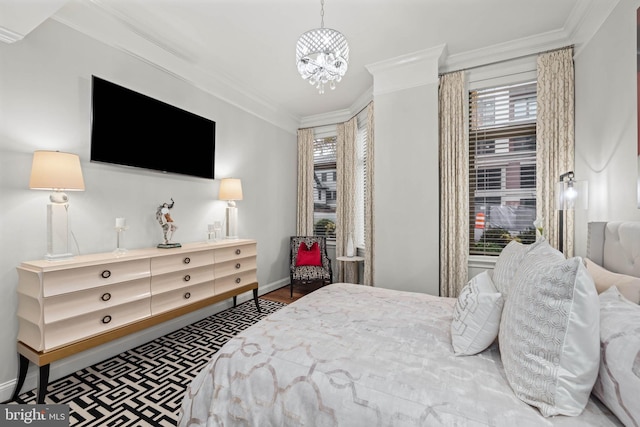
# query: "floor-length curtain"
[304,220]
[454,185]
[369,208]
[346,190]
[555,139]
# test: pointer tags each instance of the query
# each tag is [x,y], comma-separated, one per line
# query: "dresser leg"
[43,382]
[22,374]
[255,299]
[234,301]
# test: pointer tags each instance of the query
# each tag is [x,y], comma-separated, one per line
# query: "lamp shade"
[53,170]
[230,189]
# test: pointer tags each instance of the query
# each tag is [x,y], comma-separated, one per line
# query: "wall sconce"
[231,190]
[570,195]
[59,172]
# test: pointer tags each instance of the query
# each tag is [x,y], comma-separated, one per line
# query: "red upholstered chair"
[310,265]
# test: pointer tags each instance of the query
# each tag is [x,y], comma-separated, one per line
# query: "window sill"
[482,261]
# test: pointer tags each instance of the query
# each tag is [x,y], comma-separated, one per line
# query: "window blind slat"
[324,187]
[502,166]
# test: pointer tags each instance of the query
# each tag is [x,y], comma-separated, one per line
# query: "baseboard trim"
[90,357]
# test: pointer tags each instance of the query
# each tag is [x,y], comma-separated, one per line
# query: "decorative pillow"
[308,256]
[628,286]
[507,264]
[476,316]
[549,333]
[618,383]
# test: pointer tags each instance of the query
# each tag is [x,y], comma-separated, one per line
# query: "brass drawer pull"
[187,260]
[237,265]
[187,295]
[106,296]
[105,274]
[238,251]
[238,280]
[106,319]
[187,278]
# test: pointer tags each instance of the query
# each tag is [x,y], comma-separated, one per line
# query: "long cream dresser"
[65,307]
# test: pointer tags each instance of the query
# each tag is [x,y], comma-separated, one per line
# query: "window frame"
[322,171]
[505,167]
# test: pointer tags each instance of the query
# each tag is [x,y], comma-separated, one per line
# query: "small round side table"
[353,267]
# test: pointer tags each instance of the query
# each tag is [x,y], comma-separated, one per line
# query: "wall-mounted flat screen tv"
[132,129]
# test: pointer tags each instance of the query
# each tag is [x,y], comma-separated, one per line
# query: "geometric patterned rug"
[144,386]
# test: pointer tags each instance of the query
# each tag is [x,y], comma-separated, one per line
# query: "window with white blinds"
[361,182]
[324,187]
[502,167]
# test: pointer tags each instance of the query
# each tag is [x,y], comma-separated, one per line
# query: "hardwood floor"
[283,294]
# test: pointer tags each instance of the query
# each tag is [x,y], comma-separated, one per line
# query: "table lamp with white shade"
[57,172]
[231,190]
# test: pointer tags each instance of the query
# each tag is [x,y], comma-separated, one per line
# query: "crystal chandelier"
[322,55]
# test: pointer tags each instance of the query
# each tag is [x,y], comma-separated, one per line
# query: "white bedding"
[353,355]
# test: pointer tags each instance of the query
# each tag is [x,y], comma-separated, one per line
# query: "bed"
[352,355]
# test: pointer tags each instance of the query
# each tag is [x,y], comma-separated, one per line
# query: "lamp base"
[57,232]
[232,221]
[58,257]
[169,245]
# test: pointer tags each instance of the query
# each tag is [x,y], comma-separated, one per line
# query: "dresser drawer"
[179,297]
[80,327]
[230,268]
[70,280]
[235,252]
[228,283]
[59,307]
[169,263]
[181,279]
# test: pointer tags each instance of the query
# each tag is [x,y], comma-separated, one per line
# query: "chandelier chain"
[321,13]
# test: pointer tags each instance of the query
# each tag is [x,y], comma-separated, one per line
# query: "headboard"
[615,245]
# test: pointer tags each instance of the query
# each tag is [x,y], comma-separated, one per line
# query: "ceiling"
[244,50]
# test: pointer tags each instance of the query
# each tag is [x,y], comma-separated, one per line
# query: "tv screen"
[132,129]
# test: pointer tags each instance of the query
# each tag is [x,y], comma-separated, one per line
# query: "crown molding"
[339,116]
[584,21]
[330,118]
[19,18]
[407,71]
[8,36]
[162,56]
[506,51]
[179,50]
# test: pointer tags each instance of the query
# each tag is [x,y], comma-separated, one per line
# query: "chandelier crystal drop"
[322,55]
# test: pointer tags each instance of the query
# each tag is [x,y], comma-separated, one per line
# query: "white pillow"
[507,264]
[476,316]
[628,286]
[618,383]
[549,333]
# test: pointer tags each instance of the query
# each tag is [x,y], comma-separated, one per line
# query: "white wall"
[606,121]
[406,192]
[45,104]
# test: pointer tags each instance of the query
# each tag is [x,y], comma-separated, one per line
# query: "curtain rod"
[506,60]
